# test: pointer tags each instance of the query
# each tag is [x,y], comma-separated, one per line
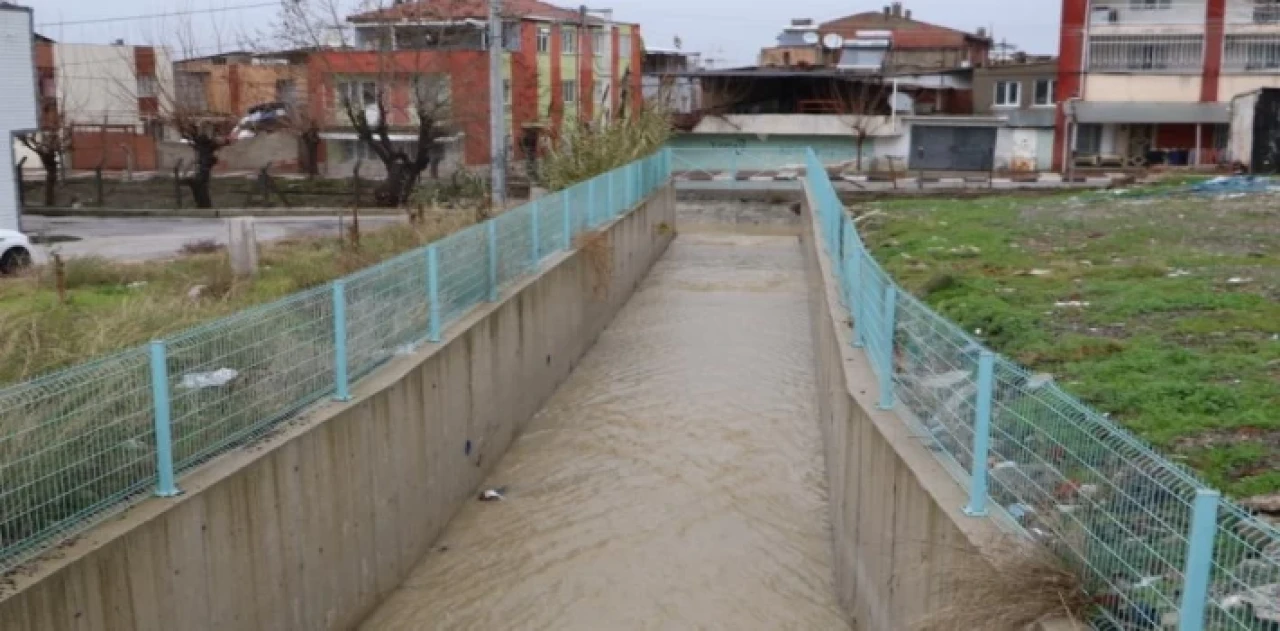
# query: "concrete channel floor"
[675,481]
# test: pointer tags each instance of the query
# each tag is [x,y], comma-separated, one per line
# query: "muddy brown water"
[675,481]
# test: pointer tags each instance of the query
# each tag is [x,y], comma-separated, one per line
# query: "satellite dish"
[810,37]
[832,40]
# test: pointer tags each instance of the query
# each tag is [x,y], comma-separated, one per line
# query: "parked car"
[15,251]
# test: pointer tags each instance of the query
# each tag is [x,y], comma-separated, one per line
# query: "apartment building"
[558,65]
[1148,82]
[17,114]
[108,96]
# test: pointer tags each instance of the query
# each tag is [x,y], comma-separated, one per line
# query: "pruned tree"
[174,102]
[395,90]
[51,145]
[863,105]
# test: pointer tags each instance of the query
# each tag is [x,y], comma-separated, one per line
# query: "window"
[1251,53]
[600,95]
[1008,94]
[1266,11]
[624,46]
[569,91]
[1155,53]
[360,93]
[598,42]
[286,91]
[1088,139]
[568,40]
[1046,92]
[146,86]
[544,40]
[431,91]
[1149,5]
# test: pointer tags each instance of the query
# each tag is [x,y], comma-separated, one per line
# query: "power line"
[146,16]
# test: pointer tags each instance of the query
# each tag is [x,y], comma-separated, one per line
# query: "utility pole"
[497,112]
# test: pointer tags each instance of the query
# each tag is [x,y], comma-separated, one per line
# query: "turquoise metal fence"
[77,444]
[745,162]
[1157,546]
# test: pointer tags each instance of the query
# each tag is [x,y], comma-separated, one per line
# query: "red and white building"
[1150,81]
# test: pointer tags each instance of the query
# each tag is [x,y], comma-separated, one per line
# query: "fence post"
[433,293]
[1195,582]
[535,236]
[491,228]
[165,486]
[568,219]
[341,391]
[591,202]
[977,506]
[609,185]
[886,354]
[853,272]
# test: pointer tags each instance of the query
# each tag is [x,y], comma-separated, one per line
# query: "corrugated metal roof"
[1149,112]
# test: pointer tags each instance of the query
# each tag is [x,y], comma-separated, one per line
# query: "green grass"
[111,306]
[1166,344]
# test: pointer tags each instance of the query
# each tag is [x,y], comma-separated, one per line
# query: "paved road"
[153,238]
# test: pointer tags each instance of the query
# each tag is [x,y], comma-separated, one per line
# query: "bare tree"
[400,100]
[863,105]
[51,145]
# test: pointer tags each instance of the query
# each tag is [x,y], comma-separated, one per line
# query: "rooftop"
[425,10]
[907,32]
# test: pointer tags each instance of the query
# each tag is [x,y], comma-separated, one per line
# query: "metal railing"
[1154,543]
[79,444]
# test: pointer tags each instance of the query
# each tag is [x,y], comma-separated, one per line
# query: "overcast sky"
[729,31]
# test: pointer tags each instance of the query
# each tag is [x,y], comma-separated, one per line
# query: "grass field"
[110,306]
[1159,308]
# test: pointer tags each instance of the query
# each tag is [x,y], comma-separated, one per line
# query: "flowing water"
[674,481]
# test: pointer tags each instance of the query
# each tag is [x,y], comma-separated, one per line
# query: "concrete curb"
[207,213]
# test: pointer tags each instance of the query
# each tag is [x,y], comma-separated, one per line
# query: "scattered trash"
[133,444]
[213,379]
[405,349]
[196,292]
[1073,304]
[1039,380]
[1020,511]
[1237,280]
[1235,184]
[137,284]
[1178,273]
[1039,272]
[494,495]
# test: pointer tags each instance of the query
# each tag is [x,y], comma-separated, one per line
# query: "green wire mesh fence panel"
[73,445]
[1067,475]
[79,443]
[464,273]
[514,244]
[578,207]
[936,381]
[388,307]
[238,376]
[1245,582]
[551,224]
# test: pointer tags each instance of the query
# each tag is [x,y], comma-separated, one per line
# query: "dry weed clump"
[598,250]
[1027,584]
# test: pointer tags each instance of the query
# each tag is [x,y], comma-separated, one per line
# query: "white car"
[15,251]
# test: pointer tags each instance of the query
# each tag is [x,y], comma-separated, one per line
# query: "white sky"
[730,31]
